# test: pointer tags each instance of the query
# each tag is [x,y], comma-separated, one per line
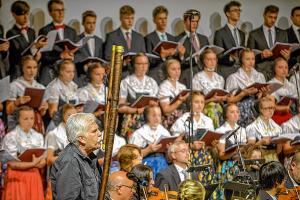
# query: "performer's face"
[92,137]
[281,69]
[97,75]
[181,154]
[198,103]
[26,120]
[248,61]
[68,113]
[233,113]
[21,19]
[154,117]
[127,21]
[267,109]
[210,61]
[67,73]
[29,70]
[57,12]
[192,25]
[89,24]
[295,170]
[270,19]
[161,21]
[296,18]
[174,71]
[141,65]
[234,13]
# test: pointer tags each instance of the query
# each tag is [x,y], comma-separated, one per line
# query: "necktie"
[270,39]
[185,174]
[163,37]
[194,42]
[128,40]
[91,45]
[236,39]
[24,30]
[57,27]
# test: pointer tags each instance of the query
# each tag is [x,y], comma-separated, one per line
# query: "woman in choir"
[207,80]
[262,130]
[17,90]
[95,90]
[168,90]
[132,87]
[62,89]
[56,140]
[282,112]
[228,165]
[23,179]
[146,138]
[200,154]
[237,84]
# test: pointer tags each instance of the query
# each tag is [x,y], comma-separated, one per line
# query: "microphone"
[293,69]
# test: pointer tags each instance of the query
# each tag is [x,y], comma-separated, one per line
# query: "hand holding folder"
[36,96]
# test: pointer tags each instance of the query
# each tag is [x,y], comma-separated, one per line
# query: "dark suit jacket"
[292,38]
[151,40]
[2,54]
[262,195]
[48,58]
[84,52]
[187,44]
[170,177]
[17,46]
[258,41]
[117,38]
[223,38]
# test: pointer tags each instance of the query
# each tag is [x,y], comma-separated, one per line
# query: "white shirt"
[57,138]
[131,85]
[17,141]
[181,125]
[90,93]
[241,133]
[145,135]
[118,143]
[202,82]
[91,44]
[60,31]
[232,30]
[292,125]
[288,89]
[18,86]
[125,31]
[56,90]
[161,35]
[166,89]
[258,129]
[266,33]
[240,80]
[182,172]
[293,80]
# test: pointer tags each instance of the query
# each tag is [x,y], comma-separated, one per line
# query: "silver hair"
[173,147]
[77,125]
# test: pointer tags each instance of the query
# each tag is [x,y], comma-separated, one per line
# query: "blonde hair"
[191,190]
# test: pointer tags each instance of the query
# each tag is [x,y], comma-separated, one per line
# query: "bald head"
[119,186]
[118,178]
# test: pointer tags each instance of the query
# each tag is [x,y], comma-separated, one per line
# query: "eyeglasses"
[130,187]
[268,108]
[59,10]
[182,151]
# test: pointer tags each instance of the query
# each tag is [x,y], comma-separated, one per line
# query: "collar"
[227,125]
[23,133]
[187,33]
[76,150]
[266,29]
[125,31]
[161,33]
[89,35]
[296,28]
[25,27]
[180,169]
[231,27]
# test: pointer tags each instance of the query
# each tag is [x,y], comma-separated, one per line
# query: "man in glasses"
[57,12]
[177,172]
[119,187]
[230,36]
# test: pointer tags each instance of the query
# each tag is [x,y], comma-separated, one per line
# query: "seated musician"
[293,168]
[272,177]
[175,173]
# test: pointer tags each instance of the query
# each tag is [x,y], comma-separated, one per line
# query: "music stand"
[209,189]
[254,161]
[197,168]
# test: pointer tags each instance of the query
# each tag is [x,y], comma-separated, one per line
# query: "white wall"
[211,10]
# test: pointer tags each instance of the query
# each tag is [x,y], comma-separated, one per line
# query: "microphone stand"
[239,153]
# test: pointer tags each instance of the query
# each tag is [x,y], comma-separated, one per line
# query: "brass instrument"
[111,113]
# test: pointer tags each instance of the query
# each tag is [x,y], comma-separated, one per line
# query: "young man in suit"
[264,38]
[124,35]
[294,34]
[272,176]
[57,12]
[20,12]
[191,20]
[160,19]
[94,46]
[228,37]
[175,173]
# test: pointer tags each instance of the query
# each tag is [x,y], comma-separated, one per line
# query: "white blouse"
[18,86]
[17,141]
[166,89]
[241,133]
[118,143]
[293,80]
[288,89]
[258,129]
[240,79]
[57,138]
[181,125]
[90,93]
[145,135]
[205,84]
[131,85]
[292,125]
[58,90]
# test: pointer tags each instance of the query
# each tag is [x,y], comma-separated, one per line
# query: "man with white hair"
[75,174]
[177,172]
